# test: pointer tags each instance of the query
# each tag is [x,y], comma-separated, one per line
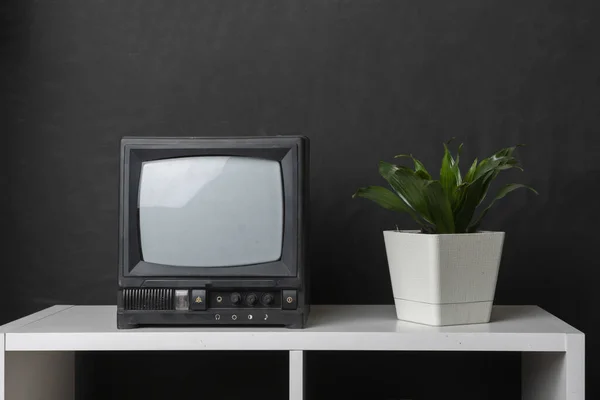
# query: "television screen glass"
[211,211]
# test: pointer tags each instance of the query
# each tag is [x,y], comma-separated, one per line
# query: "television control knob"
[267,299]
[251,299]
[235,298]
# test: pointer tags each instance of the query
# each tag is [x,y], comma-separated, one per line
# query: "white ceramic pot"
[445,279]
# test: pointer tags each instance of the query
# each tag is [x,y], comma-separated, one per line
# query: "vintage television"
[212,231]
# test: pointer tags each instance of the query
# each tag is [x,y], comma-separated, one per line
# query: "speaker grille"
[148,299]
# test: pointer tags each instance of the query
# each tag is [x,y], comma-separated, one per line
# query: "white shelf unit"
[37,358]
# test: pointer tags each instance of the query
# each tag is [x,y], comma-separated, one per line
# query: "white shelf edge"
[309,341]
[337,328]
[28,319]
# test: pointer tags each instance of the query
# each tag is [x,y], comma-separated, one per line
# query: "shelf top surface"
[341,327]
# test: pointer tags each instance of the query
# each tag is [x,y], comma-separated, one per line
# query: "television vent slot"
[148,299]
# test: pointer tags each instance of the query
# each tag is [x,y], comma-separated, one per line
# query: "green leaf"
[425,197]
[423,175]
[472,195]
[471,173]
[382,196]
[449,176]
[461,190]
[408,185]
[493,163]
[460,147]
[487,181]
[390,201]
[500,161]
[502,158]
[439,207]
[507,152]
[501,193]
[419,167]
[479,178]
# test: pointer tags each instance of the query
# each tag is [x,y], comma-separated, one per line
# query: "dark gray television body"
[146,292]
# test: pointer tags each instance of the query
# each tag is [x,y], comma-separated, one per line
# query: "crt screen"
[211,211]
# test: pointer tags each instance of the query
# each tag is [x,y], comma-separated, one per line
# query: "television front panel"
[213,231]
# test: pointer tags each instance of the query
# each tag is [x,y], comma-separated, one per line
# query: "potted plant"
[446,272]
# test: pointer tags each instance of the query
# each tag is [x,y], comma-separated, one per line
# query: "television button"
[217,316]
[251,299]
[267,299]
[198,300]
[235,298]
[290,300]
[182,300]
[250,316]
[234,317]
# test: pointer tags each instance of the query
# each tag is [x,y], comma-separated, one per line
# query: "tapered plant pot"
[447,279]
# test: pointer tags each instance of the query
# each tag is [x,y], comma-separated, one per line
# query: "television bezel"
[289,151]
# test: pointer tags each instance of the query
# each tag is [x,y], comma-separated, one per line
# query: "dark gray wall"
[364,80]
